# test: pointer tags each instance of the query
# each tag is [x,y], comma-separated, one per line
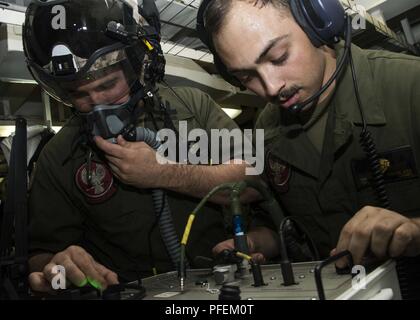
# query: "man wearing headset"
[97,208]
[288,52]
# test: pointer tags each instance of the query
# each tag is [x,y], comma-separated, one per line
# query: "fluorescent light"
[6,131]
[11,17]
[232,113]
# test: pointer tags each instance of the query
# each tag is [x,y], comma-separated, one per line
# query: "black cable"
[149,240]
[369,147]
[157,218]
[283,237]
[357,92]
[286,265]
[288,242]
[164,220]
[154,121]
[296,109]
[178,97]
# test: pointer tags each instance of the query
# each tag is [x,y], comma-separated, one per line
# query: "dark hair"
[217,11]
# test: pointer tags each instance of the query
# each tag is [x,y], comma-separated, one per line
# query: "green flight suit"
[325,189]
[112,223]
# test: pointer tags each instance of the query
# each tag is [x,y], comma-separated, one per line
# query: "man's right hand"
[79,266]
[230,245]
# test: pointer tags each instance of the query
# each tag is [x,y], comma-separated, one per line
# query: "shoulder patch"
[101,186]
[278,173]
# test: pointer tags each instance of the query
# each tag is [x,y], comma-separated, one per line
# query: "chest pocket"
[401,180]
[404,197]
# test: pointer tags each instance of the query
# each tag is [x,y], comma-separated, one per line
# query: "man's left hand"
[384,232]
[133,163]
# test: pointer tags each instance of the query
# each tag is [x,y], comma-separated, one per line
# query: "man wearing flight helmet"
[95,57]
[329,102]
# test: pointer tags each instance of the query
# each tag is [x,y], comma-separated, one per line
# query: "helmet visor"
[80,24]
[101,85]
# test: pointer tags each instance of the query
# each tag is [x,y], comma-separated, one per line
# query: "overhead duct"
[186,72]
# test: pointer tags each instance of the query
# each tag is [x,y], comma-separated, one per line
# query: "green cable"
[222,187]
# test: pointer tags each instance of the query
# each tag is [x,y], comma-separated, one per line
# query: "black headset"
[323,21]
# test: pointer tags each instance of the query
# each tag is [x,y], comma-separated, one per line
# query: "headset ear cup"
[324,21]
[296,9]
[200,26]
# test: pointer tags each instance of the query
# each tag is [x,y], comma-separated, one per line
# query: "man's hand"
[80,268]
[136,164]
[133,163]
[229,245]
[385,233]
[262,243]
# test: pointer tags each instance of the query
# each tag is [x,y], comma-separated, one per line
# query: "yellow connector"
[148,45]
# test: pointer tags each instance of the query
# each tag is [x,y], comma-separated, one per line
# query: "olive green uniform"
[114,227]
[324,187]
